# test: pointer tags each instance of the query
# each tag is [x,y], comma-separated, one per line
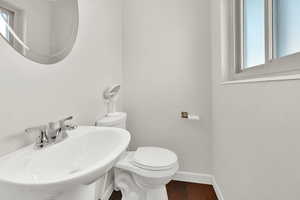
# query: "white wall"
[166,71]
[34,94]
[256,134]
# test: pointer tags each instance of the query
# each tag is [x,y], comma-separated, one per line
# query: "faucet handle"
[40,129]
[63,126]
[42,139]
[62,121]
[67,118]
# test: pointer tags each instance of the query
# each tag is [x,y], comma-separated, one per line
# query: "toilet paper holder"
[186,115]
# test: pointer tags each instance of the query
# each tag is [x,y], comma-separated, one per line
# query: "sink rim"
[101,166]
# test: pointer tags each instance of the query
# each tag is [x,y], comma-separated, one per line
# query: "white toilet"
[144,173]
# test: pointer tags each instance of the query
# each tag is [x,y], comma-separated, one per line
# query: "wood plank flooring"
[183,191]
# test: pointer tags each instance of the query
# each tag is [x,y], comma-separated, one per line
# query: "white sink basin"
[87,154]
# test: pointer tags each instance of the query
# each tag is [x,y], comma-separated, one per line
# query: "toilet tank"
[117,120]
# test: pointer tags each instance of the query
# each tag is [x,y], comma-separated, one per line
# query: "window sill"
[265,79]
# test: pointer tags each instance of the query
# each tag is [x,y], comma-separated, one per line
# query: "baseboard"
[186,177]
[193,177]
[199,178]
[217,190]
[108,192]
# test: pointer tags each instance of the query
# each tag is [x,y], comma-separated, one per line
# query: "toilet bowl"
[144,173]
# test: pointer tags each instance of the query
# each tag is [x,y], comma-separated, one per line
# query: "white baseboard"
[108,192]
[217,190]
[199,178]
[193,177]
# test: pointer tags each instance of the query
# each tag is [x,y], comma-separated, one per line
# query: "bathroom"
[233,134]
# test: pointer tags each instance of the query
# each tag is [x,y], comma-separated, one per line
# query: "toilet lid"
[154,158]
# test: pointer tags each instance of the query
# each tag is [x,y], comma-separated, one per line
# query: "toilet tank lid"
[112,119]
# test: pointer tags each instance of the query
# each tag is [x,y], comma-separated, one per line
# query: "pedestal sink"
[63,171]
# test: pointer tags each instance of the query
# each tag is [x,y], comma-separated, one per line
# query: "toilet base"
[158,194]
[131,190]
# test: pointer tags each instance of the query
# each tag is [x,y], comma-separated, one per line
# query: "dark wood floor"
[184,191]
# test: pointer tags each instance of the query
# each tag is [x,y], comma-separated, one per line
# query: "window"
[287,29]
[267,37]
[253,33]
[8,17]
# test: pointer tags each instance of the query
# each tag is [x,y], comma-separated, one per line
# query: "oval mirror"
[43,31]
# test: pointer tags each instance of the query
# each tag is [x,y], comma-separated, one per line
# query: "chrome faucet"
[52,133]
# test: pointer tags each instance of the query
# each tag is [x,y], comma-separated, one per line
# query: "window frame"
[11,14]
[19,25]
[273,66]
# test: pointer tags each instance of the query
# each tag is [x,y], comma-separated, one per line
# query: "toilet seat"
[126,163]
[154,158]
